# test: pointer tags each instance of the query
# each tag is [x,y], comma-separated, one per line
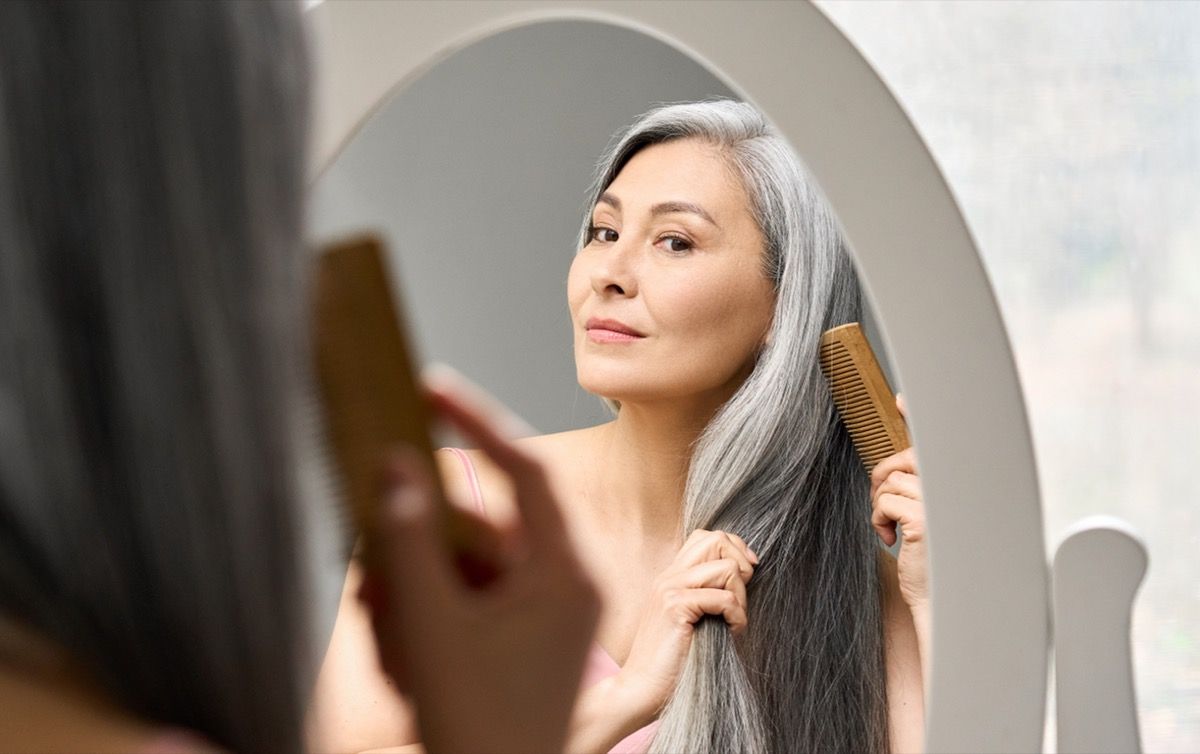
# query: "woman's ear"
[767,336]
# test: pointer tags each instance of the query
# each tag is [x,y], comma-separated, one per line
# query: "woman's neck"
[639,466]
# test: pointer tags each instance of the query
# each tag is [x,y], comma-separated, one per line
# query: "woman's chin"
[620,390]
[628,393]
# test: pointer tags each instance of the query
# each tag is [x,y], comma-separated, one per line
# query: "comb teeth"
[862,396]
[321,478]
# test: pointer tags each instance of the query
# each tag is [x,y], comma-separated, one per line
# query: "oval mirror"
[429,111]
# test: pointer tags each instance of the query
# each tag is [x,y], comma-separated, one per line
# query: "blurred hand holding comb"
[459,618]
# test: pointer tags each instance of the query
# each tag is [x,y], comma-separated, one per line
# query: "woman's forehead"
[685,174]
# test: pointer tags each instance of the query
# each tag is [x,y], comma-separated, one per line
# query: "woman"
[725,486]
[152,596]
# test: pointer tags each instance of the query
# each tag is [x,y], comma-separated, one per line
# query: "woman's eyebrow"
[610,200]
[662,208]
[666,208]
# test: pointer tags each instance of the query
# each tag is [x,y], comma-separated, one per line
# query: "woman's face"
[668,298]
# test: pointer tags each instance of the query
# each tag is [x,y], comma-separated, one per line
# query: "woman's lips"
[610,331]
[601,335]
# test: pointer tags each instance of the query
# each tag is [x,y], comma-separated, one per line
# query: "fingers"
[409,585]
[718,574]
[891,509]
[715,547]
[705,545]
[905,460]
[444,378]
[751,554]
[719,602]
[543,521]
[897,499]
[714,587]
[482,551]
[901,483]
[711,588]
[409,547]
[896,496]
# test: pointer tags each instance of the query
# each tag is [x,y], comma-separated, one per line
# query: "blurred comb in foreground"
[862,395]
[365,373]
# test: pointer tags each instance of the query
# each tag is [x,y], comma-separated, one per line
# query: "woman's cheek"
[577,287]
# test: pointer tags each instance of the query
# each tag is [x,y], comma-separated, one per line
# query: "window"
[1070,134]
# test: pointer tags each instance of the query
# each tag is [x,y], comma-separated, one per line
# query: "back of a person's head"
[151,178]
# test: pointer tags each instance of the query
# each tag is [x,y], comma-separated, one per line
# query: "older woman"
[725,486]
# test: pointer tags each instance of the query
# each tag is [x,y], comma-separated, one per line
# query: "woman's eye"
[603,235]
[676,244]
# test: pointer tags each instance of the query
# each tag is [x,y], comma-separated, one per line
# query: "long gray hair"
[777,467]
[151,194]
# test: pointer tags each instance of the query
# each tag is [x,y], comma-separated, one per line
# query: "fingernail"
[409,502]
[396,469]
[753,556]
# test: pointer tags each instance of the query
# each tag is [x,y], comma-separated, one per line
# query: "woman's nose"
[615,274]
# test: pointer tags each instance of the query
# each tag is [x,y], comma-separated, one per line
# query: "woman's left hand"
[896,499]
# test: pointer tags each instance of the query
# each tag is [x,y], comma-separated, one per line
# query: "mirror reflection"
[661,331]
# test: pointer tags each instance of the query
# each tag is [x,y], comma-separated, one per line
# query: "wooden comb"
[862,395]
[364,372]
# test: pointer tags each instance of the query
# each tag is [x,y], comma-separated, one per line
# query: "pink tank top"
[600,664]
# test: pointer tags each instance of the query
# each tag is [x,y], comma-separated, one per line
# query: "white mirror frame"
[920,267]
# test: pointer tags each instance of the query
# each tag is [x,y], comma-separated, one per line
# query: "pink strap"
[472,478]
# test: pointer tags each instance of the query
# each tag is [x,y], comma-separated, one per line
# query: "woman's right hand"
[707,577]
